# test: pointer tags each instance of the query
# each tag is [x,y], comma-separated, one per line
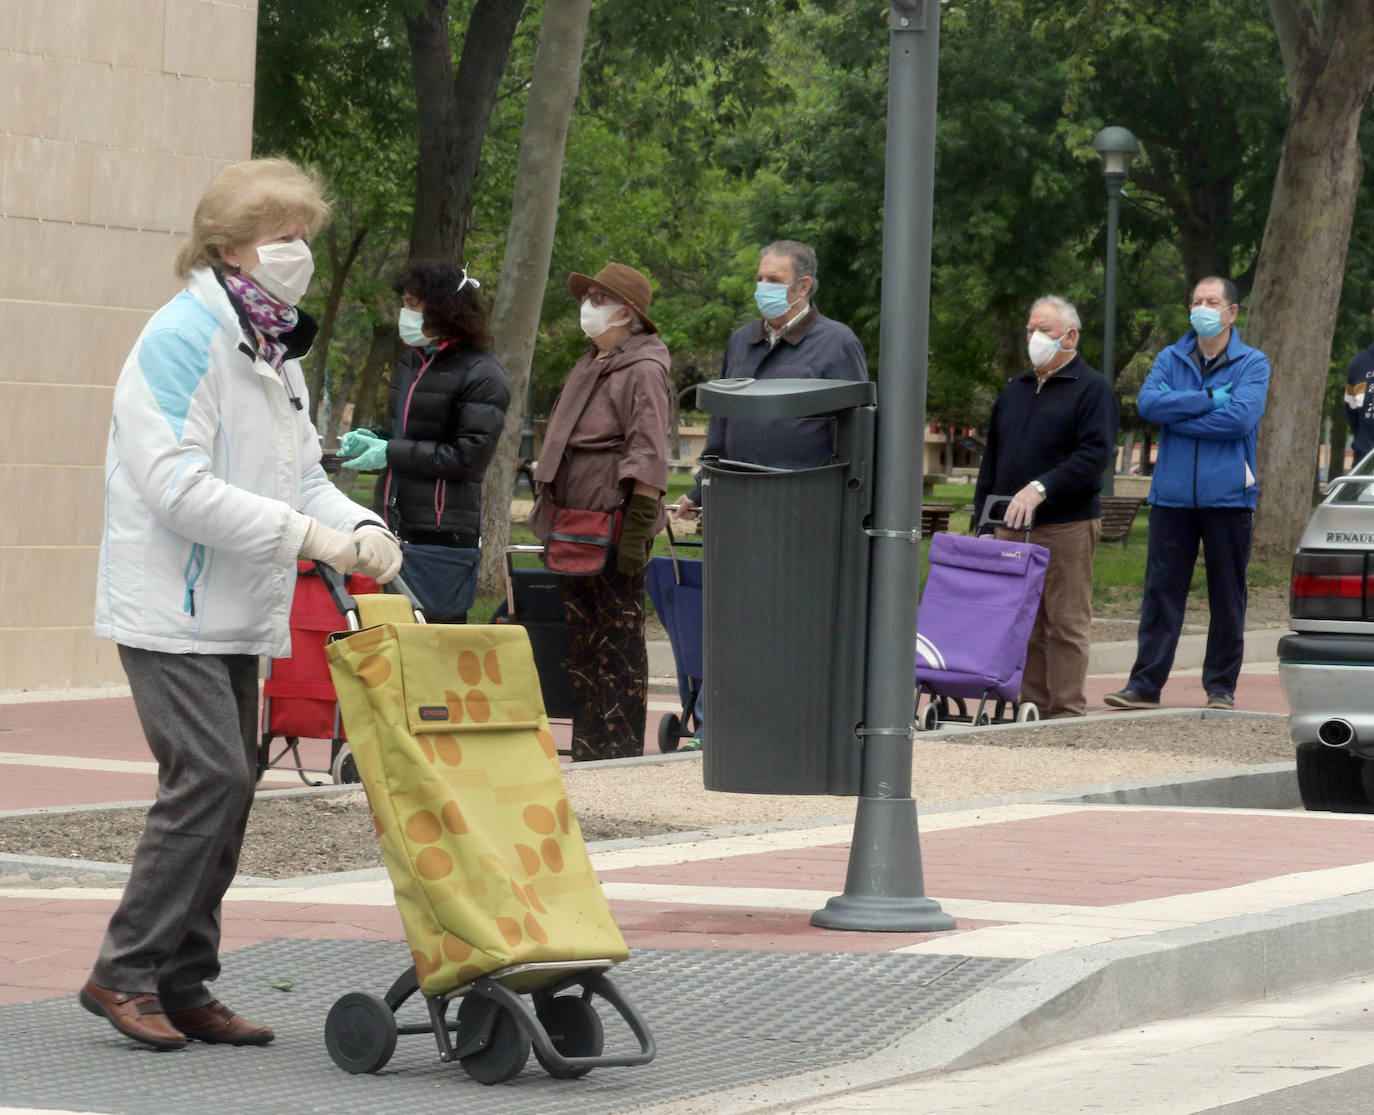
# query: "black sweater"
[1062,433]
[446,416]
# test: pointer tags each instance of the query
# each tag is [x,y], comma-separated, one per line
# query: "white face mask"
[284,270]
[597,319]
[411,325]
[1042,348]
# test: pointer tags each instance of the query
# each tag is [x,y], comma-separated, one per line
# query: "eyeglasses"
[601,298]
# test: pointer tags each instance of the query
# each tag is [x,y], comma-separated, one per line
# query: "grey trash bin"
[785,597]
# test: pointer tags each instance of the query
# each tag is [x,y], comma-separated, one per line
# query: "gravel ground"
[309,834]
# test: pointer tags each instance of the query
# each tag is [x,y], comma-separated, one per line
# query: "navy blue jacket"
[1206,452]
[816,347]
[1061,433]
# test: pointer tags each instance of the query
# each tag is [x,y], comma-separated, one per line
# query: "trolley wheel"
[983,720]
[575,1029]
[1027,713]
[344,768]
[507,1048]
[360,1032]
[669,732]
[930,717]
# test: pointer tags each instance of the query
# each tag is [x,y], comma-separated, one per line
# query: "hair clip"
[468,280]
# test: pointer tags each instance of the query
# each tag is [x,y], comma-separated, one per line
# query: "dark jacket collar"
[795,333]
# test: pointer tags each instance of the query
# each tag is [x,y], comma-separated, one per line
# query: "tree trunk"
[1329,60]
[529,248]
[319,356]
[454,112]
[382,354]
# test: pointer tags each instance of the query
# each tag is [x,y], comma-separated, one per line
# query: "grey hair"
[1068,315]
[803,257]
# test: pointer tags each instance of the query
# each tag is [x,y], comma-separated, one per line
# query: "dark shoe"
[1129,698]
[1222,701]
[137,1015]
[216,1024]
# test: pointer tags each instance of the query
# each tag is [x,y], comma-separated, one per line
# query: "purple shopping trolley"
[974,622]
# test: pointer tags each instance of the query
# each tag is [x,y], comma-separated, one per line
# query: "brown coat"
[608,429]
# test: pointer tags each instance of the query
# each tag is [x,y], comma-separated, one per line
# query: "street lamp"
[1117,147]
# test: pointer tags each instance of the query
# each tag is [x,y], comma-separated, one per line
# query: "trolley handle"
[348,606]
[989,521]
[511,551]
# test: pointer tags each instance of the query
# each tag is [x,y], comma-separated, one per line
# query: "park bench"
[1118,516]
[935,516]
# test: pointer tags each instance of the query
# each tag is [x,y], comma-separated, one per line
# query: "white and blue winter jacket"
[212,473]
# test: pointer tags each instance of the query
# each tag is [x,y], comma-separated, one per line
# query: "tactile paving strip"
[720,1019]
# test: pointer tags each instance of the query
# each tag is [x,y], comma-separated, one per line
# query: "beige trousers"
[1057,656]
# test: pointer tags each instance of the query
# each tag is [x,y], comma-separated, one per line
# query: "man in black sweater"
[1050,436]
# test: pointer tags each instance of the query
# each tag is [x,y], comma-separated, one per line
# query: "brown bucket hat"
[622,281]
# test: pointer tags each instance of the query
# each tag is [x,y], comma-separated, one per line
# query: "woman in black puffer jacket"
[447,405]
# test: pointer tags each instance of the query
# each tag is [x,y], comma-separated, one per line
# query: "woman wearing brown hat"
[607,446]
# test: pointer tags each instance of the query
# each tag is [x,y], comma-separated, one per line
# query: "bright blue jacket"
[1206,452]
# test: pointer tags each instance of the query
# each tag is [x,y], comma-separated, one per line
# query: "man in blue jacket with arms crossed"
[1207,393]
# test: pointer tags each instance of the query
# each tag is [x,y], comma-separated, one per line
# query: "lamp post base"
[883,890]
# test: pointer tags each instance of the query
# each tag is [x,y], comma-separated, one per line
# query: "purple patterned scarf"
[270,317]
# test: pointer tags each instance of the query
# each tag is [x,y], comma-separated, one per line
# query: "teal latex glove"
[371,457]
[1165,387]
[354,442]
[1220,397]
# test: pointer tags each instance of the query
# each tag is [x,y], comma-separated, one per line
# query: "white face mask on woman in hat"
[596,319]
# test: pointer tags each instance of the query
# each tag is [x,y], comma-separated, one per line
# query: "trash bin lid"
[783,398]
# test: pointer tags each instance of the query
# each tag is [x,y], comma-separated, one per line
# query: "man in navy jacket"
[1051,434]
[1207,393]
[792,340]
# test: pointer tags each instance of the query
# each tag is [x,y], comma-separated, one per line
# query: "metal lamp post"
[1117,147]
[884,887]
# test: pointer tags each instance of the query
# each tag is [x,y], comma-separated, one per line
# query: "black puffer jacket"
[447,410]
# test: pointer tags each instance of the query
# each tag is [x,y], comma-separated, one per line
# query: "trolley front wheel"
[360,1032]
[344,768]
[930,716]
[507,1048]
[1027,713]
[669,732]
[575,1029]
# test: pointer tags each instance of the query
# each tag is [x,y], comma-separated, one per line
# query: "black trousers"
[1225,534]
[199,713]
[608,665]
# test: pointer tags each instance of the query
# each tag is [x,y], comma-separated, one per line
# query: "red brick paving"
[1089,857]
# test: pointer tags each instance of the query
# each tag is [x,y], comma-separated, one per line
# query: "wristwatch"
[1039,487]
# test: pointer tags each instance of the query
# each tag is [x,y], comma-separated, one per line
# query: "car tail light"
[1329,586]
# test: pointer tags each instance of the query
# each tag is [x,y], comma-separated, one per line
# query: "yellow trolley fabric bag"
[449,734]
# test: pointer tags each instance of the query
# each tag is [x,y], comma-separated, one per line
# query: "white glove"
[333,547]
[379,554]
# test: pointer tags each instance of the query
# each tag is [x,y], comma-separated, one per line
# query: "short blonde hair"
[247,200]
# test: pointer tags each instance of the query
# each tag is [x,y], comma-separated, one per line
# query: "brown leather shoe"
[137,1015]
[218,1025]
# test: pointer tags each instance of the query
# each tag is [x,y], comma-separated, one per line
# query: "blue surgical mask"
[1206,321]
[771,299]
[411,325]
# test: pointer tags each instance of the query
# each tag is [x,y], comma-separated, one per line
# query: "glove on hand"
[354,442]
[371,457]
[1220,397]
[333,547]
[637,533]
[1165,387]
[379,554]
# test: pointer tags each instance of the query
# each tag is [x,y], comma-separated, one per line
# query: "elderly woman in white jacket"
[213,489]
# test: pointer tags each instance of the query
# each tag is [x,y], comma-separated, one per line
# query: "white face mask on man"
[1042,348]
[597,319]
[284,270]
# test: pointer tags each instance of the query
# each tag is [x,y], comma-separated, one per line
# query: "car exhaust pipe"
[1336,732]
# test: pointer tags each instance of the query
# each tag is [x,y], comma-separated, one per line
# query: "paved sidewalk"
[1072,918]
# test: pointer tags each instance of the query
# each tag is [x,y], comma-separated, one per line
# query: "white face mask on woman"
[284,270]
[597,319]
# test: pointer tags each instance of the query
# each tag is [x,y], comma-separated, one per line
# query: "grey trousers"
[200,715]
